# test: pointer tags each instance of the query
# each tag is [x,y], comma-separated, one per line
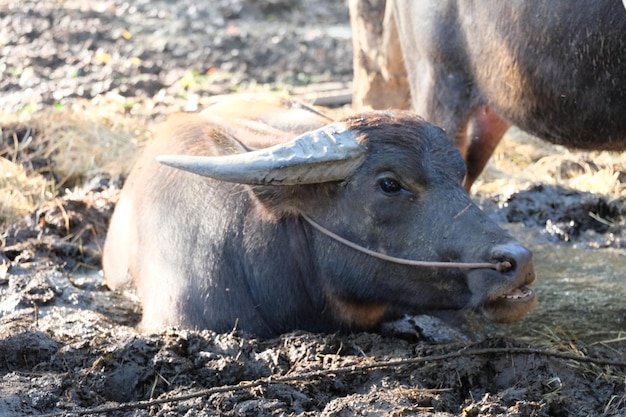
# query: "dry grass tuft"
[21,193]
[87,140]
[522,160]
[53,150]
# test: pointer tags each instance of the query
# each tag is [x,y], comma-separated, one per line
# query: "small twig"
[307,376]
[599,219]
[66,217]
[462,211]
[620,338]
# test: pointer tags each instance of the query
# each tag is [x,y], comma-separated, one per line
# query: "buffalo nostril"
[513,257]
[505,266]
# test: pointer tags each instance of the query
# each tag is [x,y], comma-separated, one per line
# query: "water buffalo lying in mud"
[230,243]
[555,68]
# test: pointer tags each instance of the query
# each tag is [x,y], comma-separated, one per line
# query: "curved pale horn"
[327,154]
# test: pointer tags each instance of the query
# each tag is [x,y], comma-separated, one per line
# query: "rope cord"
[499,266]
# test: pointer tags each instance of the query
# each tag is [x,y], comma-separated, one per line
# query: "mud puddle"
[582,291]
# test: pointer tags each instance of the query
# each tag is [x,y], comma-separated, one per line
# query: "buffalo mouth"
[511,305]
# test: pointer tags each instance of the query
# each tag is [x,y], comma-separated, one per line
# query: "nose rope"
[499,266]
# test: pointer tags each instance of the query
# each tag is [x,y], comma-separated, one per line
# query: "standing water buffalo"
[555,68]
[241,240]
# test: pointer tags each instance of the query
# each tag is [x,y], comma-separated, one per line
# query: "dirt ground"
[82,87]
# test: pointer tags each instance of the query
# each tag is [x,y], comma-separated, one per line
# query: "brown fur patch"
[358,314]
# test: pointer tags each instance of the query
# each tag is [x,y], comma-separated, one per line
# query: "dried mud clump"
[568,214]
[114,370]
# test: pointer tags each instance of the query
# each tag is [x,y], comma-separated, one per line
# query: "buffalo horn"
[327,154]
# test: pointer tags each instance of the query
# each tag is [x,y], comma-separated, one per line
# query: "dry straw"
[76,144]
[521,160]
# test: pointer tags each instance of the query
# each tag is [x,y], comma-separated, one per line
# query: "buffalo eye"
[389,186]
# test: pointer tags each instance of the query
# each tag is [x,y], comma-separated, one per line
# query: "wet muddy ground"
[67,344]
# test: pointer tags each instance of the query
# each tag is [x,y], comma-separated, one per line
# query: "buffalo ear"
[275,202]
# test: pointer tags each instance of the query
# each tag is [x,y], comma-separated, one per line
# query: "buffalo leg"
[483,133]
[380,77]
